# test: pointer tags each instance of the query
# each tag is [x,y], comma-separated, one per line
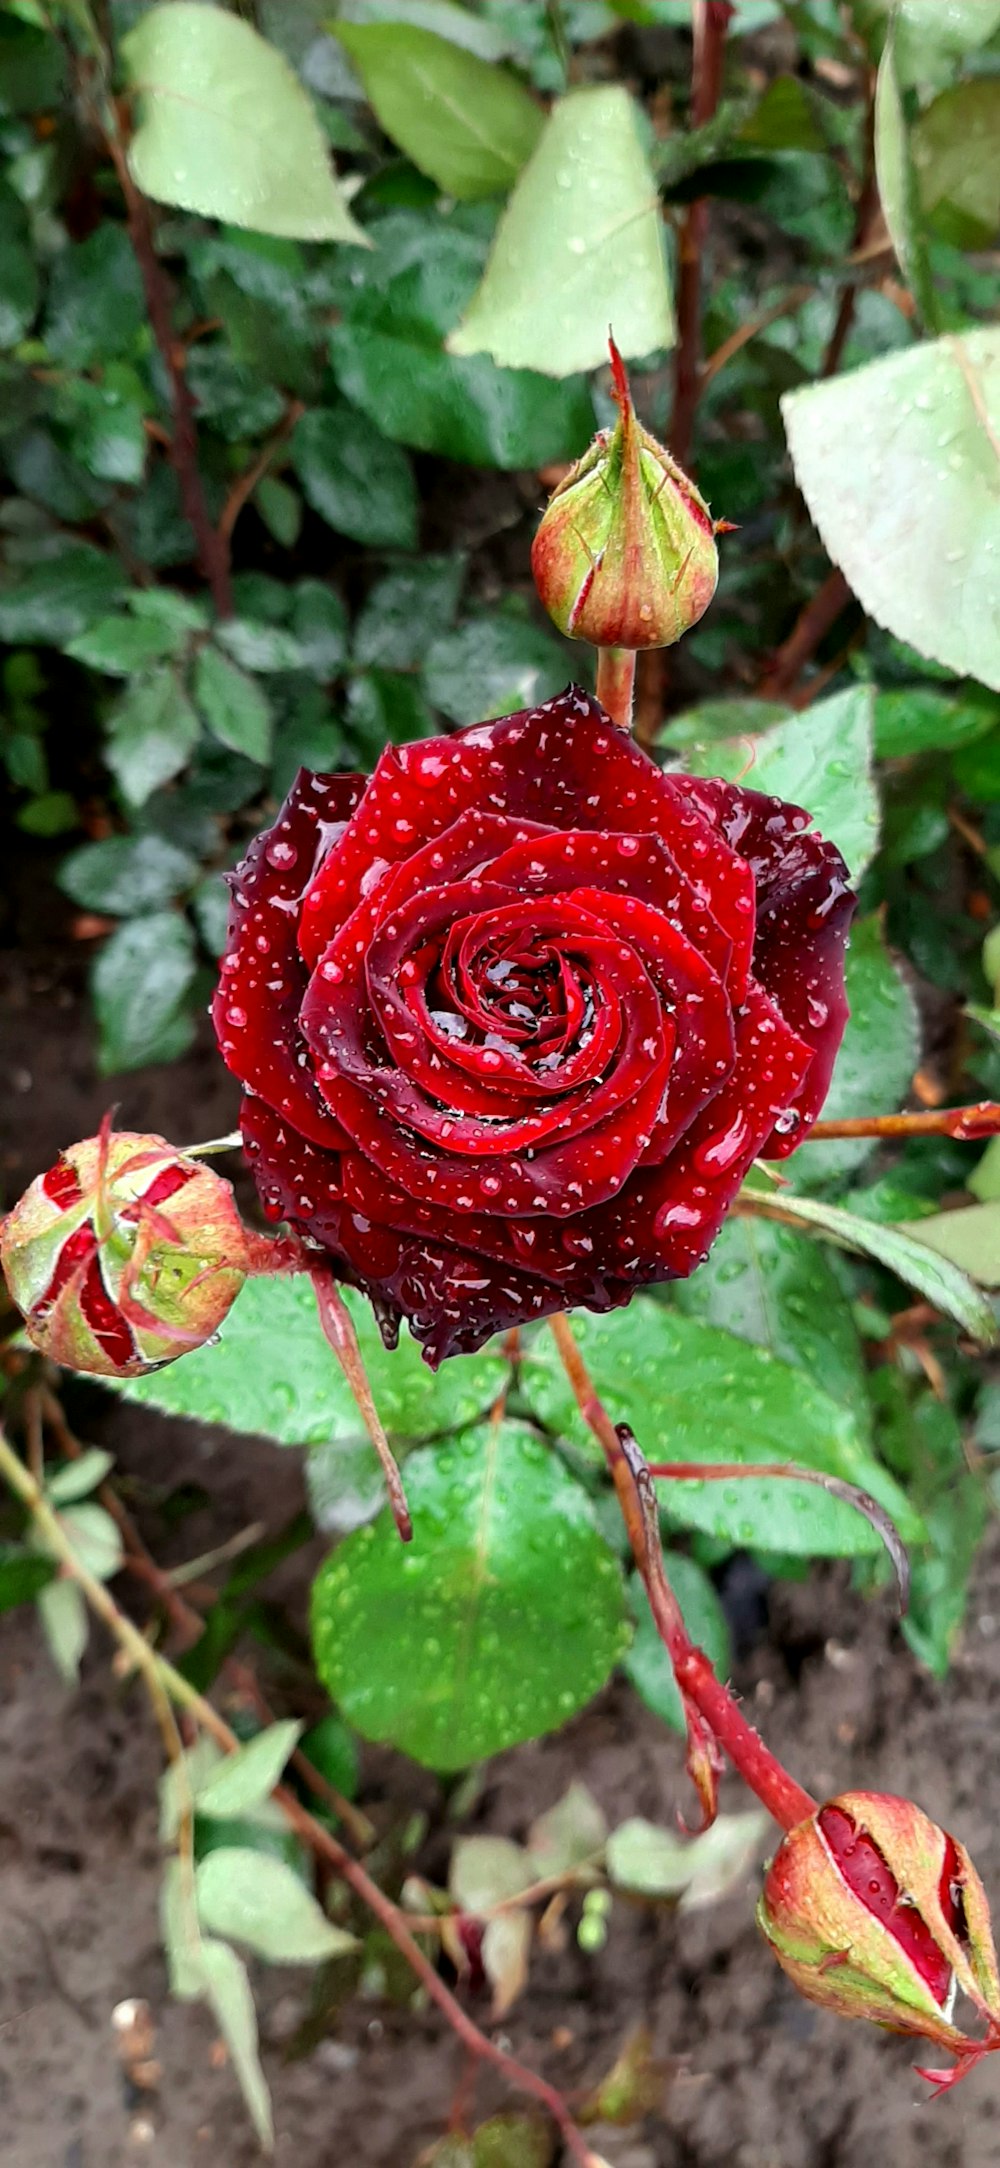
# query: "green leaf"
[153,729]
[19,289]
[360,484]
[921,1439]
[236,710]
[647,1664]
[77,1477]
[491,665]
[406,609]
[123,645]
[305,1400]
[922,719]
[140,984]
[898,463]
[53,814]
[319,622]
[345,1485]
[386,707]
[262,1902]
[934,1277]
[95,1538]
[509,1602]
[257,645]
[125,875]
[228,1990]
[467,123]
[764,1283]
[388,356]
[968,1237]
[331,1749]
[930,40]
[694,1393]
[243,1779]
[877,1058]
[820,759]
[97,308]
[226,129]
[655,1862]
[280,509]
[897,184]
[210,910]
[579,248]
[23,1574]
[59,597]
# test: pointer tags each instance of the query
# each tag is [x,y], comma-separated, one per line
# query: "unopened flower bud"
[875,1912]
[625,555]
[124,1255]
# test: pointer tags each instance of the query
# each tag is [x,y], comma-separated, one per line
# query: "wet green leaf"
[492,665]
[819,759]
[406,609]
[23,1574]
[764,1283]
[236,710]
[877,1058]
[935,1277]
[510,1603]
[305,1400]
[579,248]
[126,875]
[694,1393]
[898,465]
[468,123]
[360,484]
[226,129]
[153,731]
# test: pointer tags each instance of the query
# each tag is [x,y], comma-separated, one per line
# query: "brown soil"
[760,2080]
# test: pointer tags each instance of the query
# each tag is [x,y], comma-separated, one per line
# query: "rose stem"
[710,19]
[811,626]
[338,1325]
[775,1788]
[616,683]
[965,1123]
[160,1677]
[728,1471]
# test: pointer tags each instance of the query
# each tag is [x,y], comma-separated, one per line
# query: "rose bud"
[873,1911]
[625,555]
[124,1255]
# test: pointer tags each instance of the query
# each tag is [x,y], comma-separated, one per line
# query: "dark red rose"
[516,1015]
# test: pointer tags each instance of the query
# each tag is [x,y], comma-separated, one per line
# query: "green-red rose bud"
[124,1255]
[873,1911]
[625,555]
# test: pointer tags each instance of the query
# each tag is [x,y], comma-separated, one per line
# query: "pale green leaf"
[153,732]
[484,1871]
[820,759]
[63,1615]
[242,1779]
[304,1398]
[579,247]
[509,1604]
[931,1275]
[568,1833]
[467,123]
[897,183]
[228,1990]
[76,1477]
[181,1934]
[655,1862]
[226,129]
[261,1901]
[140,985]
[96,1539]
[968,1237]
[899,463]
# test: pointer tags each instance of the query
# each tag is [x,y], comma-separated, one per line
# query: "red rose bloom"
[516,1014]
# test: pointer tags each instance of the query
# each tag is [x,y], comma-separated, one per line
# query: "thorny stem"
[212,545]
[965,1123]
[775,1788]
[710,20]
[616,683]
[161,1679]
[338,1326]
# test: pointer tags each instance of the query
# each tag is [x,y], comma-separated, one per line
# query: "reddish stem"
[213,550]
[965,1123]
[616,683]
[775,1788]
[710,19]
[810,628]
[338,1326]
